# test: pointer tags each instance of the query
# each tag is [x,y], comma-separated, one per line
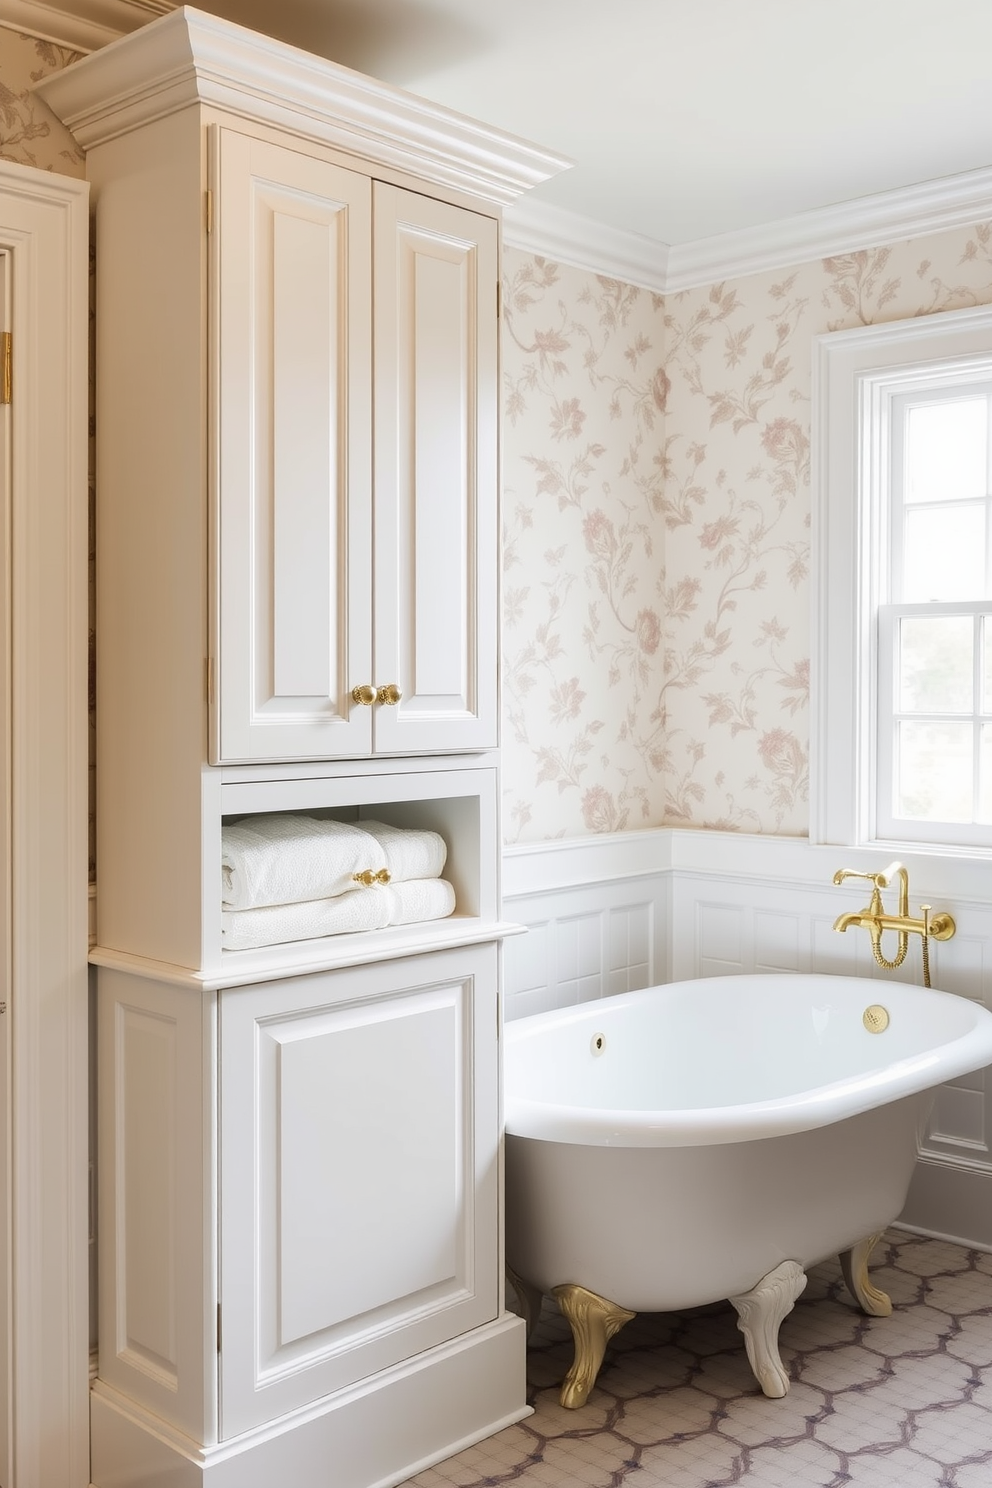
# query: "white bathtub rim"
[780,1116]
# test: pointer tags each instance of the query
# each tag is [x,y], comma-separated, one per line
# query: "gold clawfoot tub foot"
[593,1321]
[530,1298]
[760,1313]
[854,1264]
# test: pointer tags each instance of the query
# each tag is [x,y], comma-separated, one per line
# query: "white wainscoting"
[609,914]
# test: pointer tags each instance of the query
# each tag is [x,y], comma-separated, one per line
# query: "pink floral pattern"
[736,504]
[657,466]
[29,131]
[584,404]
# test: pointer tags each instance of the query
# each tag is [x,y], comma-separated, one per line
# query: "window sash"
[856,376]
[889,825]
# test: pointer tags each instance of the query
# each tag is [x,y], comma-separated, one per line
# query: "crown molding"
[190,57]
[553,232]
[90,25]
[869,221]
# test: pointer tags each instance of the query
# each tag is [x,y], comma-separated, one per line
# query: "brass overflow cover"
[875,1018]
[598,1043]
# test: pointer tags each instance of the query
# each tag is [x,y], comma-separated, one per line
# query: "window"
[902,735]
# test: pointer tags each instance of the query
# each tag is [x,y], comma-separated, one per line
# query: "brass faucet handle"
[843,873]
[884,879]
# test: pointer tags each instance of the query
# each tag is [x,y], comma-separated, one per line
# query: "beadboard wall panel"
[585,942]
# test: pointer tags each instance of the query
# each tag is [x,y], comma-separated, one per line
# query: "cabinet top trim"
[190,57]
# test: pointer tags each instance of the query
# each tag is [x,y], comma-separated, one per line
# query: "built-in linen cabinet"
[355,351]
[299,1142]
[358,1145]
[354,1222]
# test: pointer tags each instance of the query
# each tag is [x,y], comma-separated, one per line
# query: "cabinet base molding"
[374,1435]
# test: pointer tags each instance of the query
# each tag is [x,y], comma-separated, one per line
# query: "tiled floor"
[897,1402]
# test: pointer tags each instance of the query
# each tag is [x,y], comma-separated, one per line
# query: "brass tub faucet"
[875,920]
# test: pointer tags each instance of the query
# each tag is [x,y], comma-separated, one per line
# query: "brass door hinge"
[499,299]
[209,211]
[208,678]
[6,367]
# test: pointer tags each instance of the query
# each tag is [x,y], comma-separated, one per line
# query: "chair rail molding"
[44,226]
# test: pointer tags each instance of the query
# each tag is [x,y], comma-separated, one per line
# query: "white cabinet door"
[358,1160]
[291,427]
[435,528]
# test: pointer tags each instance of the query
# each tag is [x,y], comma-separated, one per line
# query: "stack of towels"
[297,877]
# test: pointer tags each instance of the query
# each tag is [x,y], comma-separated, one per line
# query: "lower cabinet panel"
[358,1174]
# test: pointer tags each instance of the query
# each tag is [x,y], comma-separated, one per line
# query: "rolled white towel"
[277,858]
[359,909]
[421,899]
[408,852]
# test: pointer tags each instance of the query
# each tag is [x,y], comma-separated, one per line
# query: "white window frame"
[856,374]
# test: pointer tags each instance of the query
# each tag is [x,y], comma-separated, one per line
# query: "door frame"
[44,226]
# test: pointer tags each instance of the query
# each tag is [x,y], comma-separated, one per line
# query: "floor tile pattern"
[897,1402]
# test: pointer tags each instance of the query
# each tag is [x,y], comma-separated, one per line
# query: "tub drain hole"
[598,1043]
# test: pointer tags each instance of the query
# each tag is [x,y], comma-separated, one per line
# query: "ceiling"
[686,118]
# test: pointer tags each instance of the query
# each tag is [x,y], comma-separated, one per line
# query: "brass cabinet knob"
[370,876]
[390,694]
[366,695]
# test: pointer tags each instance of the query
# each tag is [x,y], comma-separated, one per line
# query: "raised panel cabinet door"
[291,425]
[435,525]
[358,1160]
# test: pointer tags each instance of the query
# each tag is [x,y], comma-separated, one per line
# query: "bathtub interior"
[729,1041]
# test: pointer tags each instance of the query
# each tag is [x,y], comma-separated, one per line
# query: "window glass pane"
[944,554]
[985,766]
[946,450]
[935,772]
[935,664]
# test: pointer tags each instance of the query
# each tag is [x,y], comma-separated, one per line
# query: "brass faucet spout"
[874,919]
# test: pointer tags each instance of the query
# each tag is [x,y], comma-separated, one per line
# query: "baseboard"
[950,1202]
[374,1435]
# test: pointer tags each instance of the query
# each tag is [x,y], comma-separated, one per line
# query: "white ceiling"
[686,118]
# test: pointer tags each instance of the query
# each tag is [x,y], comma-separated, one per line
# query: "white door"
[358,1160]
[291,428]
[5,875]
[435,539]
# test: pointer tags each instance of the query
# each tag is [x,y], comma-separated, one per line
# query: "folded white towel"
[408,852]
[421,899]
[271,924]
[279,858]
[359,909]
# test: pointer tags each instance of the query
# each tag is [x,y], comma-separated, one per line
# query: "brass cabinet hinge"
[209,211]
[499,299]
[6,366]
[208,678]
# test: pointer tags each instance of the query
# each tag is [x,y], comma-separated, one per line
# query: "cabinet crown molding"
[190,57]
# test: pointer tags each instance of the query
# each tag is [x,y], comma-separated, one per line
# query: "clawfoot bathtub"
[713,1139]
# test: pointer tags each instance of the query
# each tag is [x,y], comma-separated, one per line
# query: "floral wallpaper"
[737,513]
[585,392]
[29,131]
[656,586]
